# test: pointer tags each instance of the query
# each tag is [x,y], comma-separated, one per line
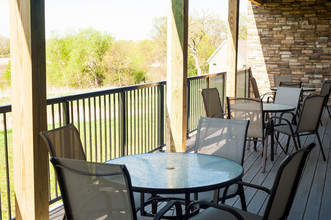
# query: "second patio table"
[179,173]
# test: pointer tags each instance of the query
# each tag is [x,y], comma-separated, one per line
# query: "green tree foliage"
[125,65]
[4,47]
[242,27]
[5,79]
[77,59]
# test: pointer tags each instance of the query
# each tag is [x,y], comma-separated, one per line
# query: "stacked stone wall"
[290,37]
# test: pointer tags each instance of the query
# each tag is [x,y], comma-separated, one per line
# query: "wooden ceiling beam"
[257,2]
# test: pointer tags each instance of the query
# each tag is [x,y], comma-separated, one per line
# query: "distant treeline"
[90,58]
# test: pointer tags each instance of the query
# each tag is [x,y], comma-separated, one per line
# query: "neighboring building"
[217,61]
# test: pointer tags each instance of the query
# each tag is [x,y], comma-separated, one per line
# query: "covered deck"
[308,61]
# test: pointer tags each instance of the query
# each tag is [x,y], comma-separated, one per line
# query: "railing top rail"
[205,76]
[103,92]
[7,108]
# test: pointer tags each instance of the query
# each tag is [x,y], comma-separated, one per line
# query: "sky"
[122,19]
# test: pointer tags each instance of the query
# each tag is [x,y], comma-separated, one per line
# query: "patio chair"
[288,96]
[99,191]
[278,79]
[290,84]
[224,138]
[257,95]
[64,142]
[212,103]
[308,122]
[252,110]
[281,195]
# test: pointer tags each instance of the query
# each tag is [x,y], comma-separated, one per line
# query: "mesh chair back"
[311,113]
[288,96]
[326,88]
[248,109]
[286,183]
[94,190]
[222,137]
[290,84]
[278,79]
[255,88]
[212,103]
[64,142]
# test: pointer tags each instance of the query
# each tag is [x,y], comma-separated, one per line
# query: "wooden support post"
[176,111]
[28,67]
[232,44]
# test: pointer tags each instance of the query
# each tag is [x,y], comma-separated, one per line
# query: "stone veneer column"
[290,37]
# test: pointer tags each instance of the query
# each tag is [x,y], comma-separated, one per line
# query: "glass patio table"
[179,173]
[304,89]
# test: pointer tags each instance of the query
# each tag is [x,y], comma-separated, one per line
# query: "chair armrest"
[282,119]
[270,95]
[167,207]
[255,186]
[214,205]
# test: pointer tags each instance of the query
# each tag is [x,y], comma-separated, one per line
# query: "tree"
[206,33]
[125,64]
[77,59]
[204,29]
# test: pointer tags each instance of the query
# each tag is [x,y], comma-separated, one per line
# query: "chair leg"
[327,108]
[277,140]
[248,144]
[295,143]
[299,142]
[255,143]
[264,159]
[287,143]
[242,197]
[321,147]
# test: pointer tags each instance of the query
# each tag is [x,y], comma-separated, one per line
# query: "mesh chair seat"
[212,103]
[308,121]
[278,79]
[257,95]
[281,196]
[224,138]
[252,110]
[64,142]
[288,96]
[290,84]
[98,190]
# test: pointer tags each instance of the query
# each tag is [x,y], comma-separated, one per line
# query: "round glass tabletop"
[274,107]
[179,172]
